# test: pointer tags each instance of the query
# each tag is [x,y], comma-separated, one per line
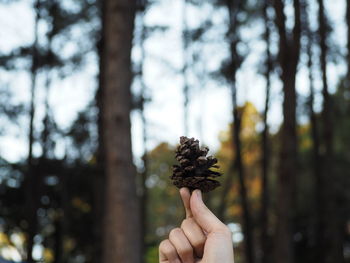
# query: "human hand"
[202,237]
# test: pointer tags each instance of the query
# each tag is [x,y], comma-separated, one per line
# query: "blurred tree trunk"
[144,198]
[236,60]
[31,180]
[63,213]
[46,121]
[46,137]
[233,67]
[100,178]
[333,234]
[247,221]
[220,212]
[265,240]
[121,223]
[317,159]
[347,80]
[144,173]
[58,237]
[288,58]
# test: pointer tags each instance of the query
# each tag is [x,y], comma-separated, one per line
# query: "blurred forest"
[82,193]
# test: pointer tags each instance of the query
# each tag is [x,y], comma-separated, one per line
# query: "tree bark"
[347,80]
[236,60]
[317,160]
[265,240]
[100,177]
[288,58]
[45,134]
[333,235]
[247,221]
[58,239]
[144,172]
[31,180]
[121,227]
[220,212]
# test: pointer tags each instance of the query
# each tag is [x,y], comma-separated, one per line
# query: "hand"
[202,238]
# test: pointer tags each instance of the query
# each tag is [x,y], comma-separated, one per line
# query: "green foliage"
[152,254]
[164,208]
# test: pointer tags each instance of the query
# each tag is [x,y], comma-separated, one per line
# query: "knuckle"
[191,221]
[167,250]
[185,222]
[163,246]
[225,230]
[198,242]
[185,252]
[188,223]
[175,232]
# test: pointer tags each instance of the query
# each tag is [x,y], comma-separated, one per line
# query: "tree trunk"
[31,180]
[265,240]
[220,212]
[347,80]
[121,227]
[237,162]
[317,160]
[286,180]
[247,222]
[288,57]
[45,134]
[333,238]
[100,177]
[144,172]
[144,205]
[144,216]
[236,60]
[58,239]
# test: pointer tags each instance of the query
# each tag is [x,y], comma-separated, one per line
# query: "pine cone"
[194,169]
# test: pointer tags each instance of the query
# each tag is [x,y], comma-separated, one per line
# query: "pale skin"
[201,238]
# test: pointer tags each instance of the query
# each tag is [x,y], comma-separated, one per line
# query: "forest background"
[94,96]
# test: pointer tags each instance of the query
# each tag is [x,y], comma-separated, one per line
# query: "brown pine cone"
[194,166]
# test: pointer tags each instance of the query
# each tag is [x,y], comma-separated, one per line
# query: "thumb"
[203,216]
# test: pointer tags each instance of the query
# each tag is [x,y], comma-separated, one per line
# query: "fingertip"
[198,194]
[184,191]
[185,195]
[196,199]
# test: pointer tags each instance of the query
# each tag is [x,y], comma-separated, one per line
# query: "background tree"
[121,231]
[319,182]
[288,59]
[31,180]
[333,235]
[265,239]
[230,68]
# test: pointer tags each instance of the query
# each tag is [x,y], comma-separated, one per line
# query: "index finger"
[186,196]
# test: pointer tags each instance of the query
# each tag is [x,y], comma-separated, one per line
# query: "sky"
[210,102]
